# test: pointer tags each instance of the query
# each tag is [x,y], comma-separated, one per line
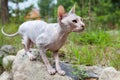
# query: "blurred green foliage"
[95,45]
[102,13]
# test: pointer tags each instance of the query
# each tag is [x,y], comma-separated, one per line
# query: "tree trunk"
[0,11]
[17,11]
[4,11]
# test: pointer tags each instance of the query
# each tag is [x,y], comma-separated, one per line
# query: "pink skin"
[49,36]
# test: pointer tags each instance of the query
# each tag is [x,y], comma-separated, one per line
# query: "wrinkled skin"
[49,36]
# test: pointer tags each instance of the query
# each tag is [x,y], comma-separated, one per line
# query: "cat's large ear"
[61,12]
[72,10]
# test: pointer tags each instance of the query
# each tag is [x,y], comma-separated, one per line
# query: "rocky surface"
[6,76]
[8,49]
[2,54]
[24,69]
[109,73]
[7,62]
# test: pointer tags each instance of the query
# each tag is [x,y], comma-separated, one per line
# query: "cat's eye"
[75,21]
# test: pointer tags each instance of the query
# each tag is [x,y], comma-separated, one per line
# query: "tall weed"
[93,48]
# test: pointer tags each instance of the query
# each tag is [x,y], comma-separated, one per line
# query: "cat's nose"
[83,26]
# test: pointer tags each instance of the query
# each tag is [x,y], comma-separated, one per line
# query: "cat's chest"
[57,43]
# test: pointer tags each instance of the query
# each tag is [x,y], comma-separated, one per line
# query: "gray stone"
[69,70]
[24,69]
[8,49]
[7,62]
[87,72]
[94,69]
[2,54]
[6,76]
[109,73]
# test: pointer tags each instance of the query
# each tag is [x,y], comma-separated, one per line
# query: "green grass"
[10,29]
[93,48]
[97,47]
